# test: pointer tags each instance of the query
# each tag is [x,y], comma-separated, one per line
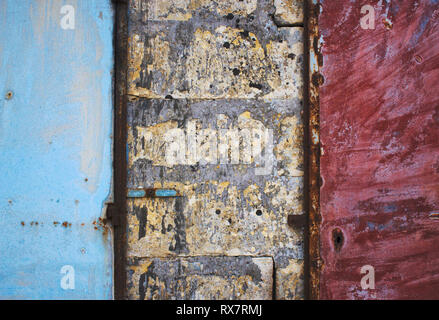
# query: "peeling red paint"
[380,138]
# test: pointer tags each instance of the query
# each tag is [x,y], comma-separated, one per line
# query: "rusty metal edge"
[313,80]
[119,220]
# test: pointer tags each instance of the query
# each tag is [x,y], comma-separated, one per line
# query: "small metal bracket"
[296,220]
[112,214]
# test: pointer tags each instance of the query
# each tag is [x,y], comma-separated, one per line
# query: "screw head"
[418,58]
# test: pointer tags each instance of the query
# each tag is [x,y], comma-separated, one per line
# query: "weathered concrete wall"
[215,113]
[202,278]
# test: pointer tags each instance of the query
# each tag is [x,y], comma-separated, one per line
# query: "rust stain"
[315,79]
[66,224]
[101,225]
[387,24]
[9,95]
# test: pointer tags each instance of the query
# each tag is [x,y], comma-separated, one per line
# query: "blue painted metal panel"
[55,149]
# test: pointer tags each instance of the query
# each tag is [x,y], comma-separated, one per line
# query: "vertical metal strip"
[313,80]
[119,154]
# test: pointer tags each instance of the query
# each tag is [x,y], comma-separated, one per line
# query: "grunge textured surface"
[205,69]
[202,278]
[380,151]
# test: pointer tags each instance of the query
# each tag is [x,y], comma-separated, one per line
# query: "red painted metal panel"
[380,149]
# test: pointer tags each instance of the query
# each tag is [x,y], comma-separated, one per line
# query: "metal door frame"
[313,79]
[118,215]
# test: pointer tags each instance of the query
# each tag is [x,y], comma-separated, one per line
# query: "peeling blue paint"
[136,193]
[165,193]
[159,193]
[420,30]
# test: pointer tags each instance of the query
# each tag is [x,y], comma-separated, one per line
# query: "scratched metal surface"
[55,149]
[380,149]
[206,66]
